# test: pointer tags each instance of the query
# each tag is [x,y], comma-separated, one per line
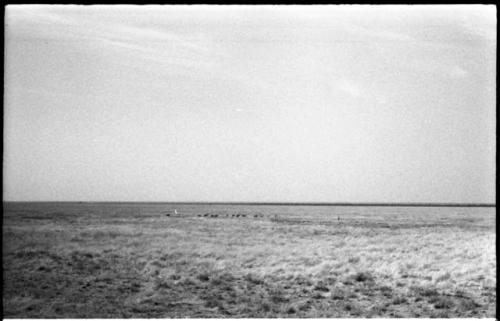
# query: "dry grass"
[131,260]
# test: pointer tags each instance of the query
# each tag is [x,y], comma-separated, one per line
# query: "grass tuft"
[363,277]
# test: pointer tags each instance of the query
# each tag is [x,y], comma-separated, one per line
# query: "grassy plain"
[70,260]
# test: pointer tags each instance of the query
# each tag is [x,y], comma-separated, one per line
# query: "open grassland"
[132,260]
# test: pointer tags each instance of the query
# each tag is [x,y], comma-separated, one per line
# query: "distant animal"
[168,213]
[205,215]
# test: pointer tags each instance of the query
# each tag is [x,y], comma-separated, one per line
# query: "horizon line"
[422,204]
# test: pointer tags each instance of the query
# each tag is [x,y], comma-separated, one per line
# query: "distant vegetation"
[135,261]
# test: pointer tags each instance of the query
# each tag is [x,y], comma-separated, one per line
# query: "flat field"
[91,260]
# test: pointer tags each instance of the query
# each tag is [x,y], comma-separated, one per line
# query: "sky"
[250,103]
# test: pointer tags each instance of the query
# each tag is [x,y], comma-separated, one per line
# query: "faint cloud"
[379,34]
[482,22]
[157,36]
[457,72]
[350,88]
[160,55]
[381,99]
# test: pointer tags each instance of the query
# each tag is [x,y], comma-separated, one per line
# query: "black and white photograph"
[249,161]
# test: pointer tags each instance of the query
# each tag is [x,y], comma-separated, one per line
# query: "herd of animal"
[215,215]
[237,215]
[230,215]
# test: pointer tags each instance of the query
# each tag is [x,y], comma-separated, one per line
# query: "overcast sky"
[273,103]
